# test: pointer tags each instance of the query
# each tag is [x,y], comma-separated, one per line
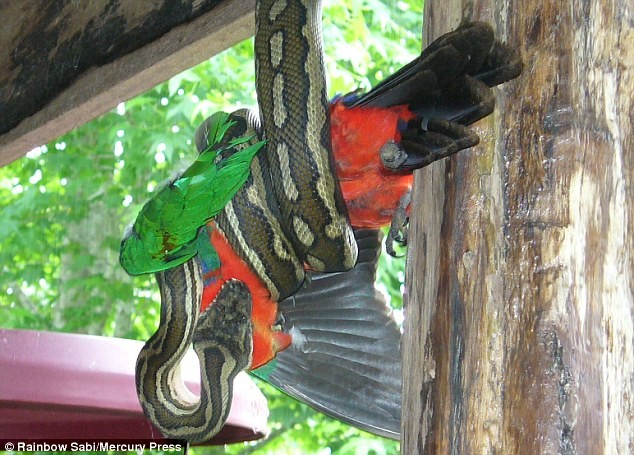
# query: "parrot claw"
[399,227]
[424,142]
[448,87]
[280,320]
[393,156]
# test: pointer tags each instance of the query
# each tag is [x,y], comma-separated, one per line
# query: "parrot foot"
[425,141]
[399,226]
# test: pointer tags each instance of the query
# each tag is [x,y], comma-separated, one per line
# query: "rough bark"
[64,62]
[519,334]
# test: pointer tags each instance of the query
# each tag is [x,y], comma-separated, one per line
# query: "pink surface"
[66,386]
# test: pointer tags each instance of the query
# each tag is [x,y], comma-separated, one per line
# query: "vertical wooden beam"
[519,334]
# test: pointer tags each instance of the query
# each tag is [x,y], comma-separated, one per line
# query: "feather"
[451,77]
[165,231]
[345,357]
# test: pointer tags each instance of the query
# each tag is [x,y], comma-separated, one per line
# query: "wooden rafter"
[64,63]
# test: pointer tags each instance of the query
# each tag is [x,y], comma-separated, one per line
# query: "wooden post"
[519,333]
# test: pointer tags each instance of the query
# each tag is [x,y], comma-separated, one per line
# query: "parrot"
[167,230]
[334,344]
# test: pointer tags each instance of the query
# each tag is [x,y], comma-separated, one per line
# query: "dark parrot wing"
[451,77]
[345,359]
[448,87]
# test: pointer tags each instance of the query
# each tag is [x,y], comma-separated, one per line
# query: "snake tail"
[345,359]
[222,339]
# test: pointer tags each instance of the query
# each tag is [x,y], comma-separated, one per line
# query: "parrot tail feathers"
[345,359]
[451,78]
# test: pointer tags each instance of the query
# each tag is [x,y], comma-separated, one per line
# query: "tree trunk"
[519,333]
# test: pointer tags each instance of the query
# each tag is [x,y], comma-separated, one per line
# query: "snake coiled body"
[290,212]
[251,220]
[222,340]
[291,88]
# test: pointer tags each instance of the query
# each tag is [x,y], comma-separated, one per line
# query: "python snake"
[222,340]
[290,212]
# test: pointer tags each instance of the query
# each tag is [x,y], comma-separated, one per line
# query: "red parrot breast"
[266,341]
[371,191]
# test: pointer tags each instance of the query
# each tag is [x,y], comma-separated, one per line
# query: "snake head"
[227,323]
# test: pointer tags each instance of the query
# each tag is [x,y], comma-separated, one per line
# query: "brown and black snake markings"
[222,340]
[306,224]
[291,214]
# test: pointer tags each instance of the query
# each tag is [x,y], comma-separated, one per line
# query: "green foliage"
[65,205]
